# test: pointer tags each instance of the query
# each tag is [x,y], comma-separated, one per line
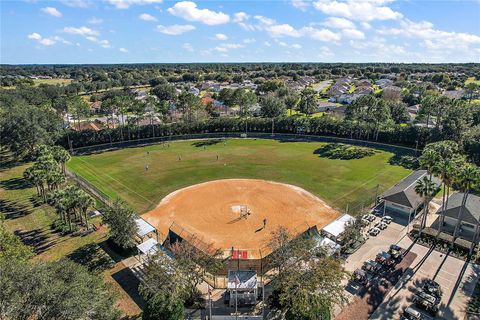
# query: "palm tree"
[447,171]
[85,201]
[467,178]
[426,189]
[428,160]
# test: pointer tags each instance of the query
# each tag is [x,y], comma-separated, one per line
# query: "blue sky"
[129,31]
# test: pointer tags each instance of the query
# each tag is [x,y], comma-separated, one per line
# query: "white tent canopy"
[336,227]
[143,227]
[148,247]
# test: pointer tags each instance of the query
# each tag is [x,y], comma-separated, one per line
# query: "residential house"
[402,198]
[383,83]
[468,214]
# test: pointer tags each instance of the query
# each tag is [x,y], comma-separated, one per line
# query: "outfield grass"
[122,173]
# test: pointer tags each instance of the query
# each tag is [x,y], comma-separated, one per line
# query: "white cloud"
[95,21]
[321,34]
[123,50]
[339,23]
[188,10]
[325,52]
[147,17]
[228,46]
[125,4]
[353,34]
[47,41]
[221,36]
[34,36]
[267,44]
[300,4]
[175,30]
[296,46]
[187,46]
[432,38]
[82,31]
[52,11]
[82,4]
[366,25]
[240,16]
[357,10]
[103,43]
[249,40]
[264,20]
[279,30]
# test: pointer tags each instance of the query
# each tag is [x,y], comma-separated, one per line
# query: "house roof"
[403,193]
[471,211]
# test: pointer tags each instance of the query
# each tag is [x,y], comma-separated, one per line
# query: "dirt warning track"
[240,213]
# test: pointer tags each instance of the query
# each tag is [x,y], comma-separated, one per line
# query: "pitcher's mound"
[239,213]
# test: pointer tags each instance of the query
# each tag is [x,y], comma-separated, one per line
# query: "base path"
[214,212]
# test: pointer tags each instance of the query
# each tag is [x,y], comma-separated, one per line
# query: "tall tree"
[78,108]
[427,190]
[121,220]
[272,107]
[308,101]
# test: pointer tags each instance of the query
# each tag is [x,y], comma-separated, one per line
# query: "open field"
[54,81]
[220,223]
[122,173]
[472,80]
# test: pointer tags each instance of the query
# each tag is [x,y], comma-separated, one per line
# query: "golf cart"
[427,302]
[361,277]
[411,314]
[374,231]
[387,219]
[372,267]
[385,259]
[396,252]
[433,288]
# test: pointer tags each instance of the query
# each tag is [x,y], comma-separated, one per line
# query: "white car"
[381,225]
[374,231]
[387,219]
[371,217]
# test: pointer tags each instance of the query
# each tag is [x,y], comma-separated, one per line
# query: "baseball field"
[143,176]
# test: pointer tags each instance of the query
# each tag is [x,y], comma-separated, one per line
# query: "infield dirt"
[211,211]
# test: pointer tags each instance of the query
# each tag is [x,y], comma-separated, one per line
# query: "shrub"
[344,151]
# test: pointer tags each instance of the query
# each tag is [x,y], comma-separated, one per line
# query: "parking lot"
[456,277]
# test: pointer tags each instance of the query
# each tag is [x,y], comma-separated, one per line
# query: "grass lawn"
[31,221]
[54,81]
[122,173]
[472,79]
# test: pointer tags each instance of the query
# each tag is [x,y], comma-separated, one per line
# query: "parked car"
[372,267]
[371,217]
[387,219]
[374,231]
[385,259]
[396,252]
[377,211]
[433,288]
[381,225]
[427,302]
[411,314]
